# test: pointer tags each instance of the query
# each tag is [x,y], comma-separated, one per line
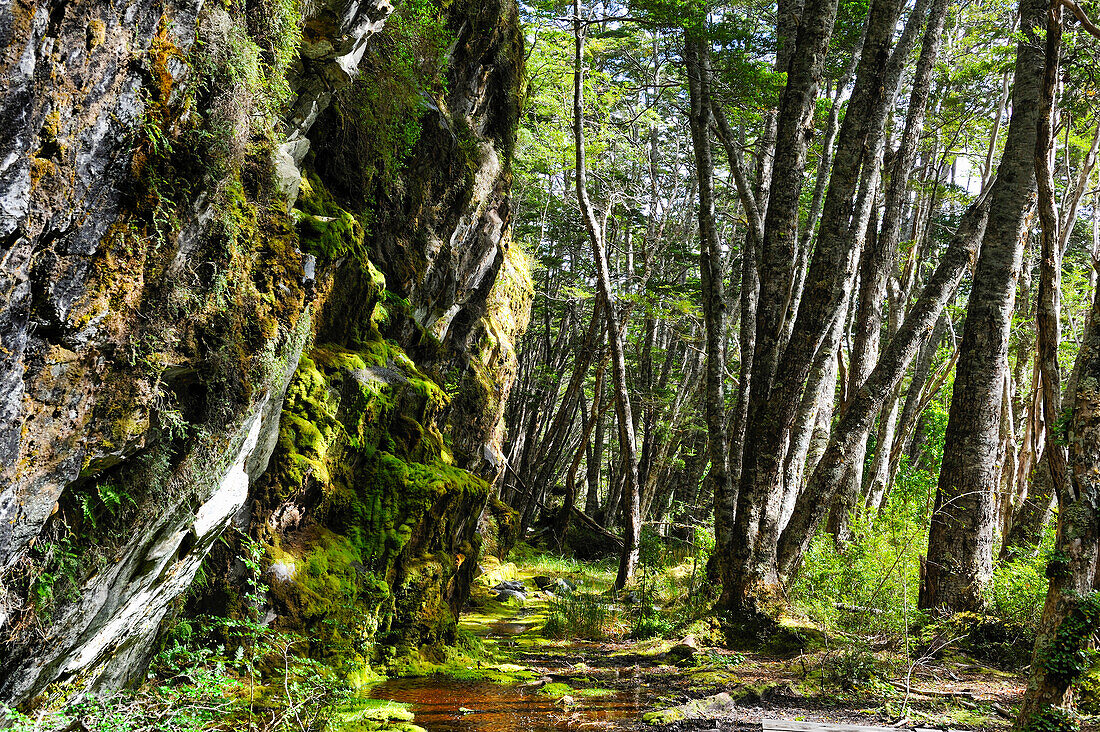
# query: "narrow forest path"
[523,681]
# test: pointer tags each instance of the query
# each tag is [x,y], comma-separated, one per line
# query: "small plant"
[852,666]
[650,623]
[719,660]
[579,615]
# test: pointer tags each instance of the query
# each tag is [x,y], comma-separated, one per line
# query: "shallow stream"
[437,703]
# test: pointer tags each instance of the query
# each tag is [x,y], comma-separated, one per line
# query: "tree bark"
[878,257]
[568,504]
[696,58]
[751,584]
[960,543]
[629,452]
[858,419]
[1069,614]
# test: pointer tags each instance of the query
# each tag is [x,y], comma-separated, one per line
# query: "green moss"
[369,715]
[330,237]
[359,431]
[556,690]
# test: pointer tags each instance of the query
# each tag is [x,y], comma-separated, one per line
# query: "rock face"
[179,223]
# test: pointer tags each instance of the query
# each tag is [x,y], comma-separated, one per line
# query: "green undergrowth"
[209,673]
[668,594]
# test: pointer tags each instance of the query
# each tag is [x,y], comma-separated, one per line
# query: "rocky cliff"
[258,283]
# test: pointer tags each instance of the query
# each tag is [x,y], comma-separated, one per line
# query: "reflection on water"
[436,702]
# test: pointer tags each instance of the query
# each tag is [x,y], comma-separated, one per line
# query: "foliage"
[1018,590]
[1067,656]
[401,76]
[578,615]
[851,666]
[872,585]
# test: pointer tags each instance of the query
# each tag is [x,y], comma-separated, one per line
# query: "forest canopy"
[814,290]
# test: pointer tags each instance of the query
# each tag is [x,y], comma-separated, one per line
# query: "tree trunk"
[960,542]
[697,60]
[561,524]
[595,462]
[858,419]
[752,584]
[1070,613]
[629,452]
[815,411]
[878,257]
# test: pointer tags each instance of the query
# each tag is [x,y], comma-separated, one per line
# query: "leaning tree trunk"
[813,505]
[629,451]
[879,261]
[568,504]
[960,542]
[1071,614]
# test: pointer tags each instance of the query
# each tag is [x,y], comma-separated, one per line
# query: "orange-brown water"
[436,702]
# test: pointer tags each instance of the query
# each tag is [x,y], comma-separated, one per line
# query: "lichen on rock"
[167,265]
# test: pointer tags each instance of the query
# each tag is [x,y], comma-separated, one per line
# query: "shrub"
[579,615]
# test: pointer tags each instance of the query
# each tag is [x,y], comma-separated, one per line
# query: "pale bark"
[696,57]
[960,545]
[620,388]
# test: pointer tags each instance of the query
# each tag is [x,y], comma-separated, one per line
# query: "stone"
[682,653]
[282,571]
[710,707]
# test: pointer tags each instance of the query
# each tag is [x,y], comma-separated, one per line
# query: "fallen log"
[593,526]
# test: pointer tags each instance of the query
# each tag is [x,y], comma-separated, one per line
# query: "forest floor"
[683,680]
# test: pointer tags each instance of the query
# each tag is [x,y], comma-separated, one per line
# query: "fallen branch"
[587,521]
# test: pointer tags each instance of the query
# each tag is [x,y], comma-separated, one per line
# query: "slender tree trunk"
[922,390]
[725,494]
[595,464]
[1069,614]
[1047,321]
[812,424]
[879,475]
[960,543]
[696,57]
[858,419]
[629,452]
[878,257]
[561,524]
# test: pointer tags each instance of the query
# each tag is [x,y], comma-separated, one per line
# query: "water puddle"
[437,703]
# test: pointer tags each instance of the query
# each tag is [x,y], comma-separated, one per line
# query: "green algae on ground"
[373,715]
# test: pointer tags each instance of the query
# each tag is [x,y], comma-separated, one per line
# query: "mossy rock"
[791,636]
[555,690]
[710,707]
[994,641]
[373,715]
